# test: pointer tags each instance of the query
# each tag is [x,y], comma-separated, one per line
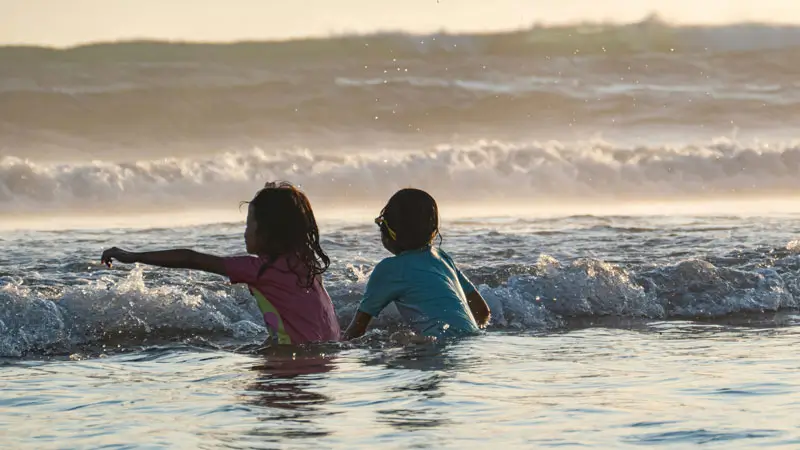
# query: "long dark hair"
[413,217]
[285,221]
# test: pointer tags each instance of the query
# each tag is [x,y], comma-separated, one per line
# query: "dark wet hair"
[285,221]
[413,216]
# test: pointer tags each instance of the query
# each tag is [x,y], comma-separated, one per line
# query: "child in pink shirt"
[283,272]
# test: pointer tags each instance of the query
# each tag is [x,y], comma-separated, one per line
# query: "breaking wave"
[126,311]
[485,171]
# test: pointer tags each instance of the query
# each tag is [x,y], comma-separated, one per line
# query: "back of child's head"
[413,217]
[286,226]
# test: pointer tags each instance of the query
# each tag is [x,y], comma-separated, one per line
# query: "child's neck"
[412,250]
[271,256]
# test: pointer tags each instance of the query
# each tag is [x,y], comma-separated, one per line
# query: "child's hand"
[118,254]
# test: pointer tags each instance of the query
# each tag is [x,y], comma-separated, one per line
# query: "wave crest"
[485,171]
[126,311]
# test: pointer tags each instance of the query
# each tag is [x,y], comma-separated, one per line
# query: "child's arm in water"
[358,326]
[383,287]
[479,308]
[176,259]
[477,305]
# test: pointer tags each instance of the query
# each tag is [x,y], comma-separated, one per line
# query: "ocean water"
[625,197]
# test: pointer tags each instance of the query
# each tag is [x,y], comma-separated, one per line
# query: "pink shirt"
[295,314]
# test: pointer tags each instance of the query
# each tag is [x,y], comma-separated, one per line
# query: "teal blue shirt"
[428,290]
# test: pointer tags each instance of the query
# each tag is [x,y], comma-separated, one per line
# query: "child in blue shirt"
[430,293]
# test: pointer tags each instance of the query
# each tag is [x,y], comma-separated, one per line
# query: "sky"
[63,23]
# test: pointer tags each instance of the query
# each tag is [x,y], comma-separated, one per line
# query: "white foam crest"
[28,323]
[697,288]
[130,311]
[485,171]
[33,322]
[585,287]
[592,288]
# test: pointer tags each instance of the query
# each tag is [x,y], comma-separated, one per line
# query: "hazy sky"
[67,22]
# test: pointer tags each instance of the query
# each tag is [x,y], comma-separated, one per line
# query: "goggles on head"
[383,224]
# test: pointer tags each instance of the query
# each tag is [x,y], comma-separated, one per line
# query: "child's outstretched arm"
[177,259]
[358,326]
[479,307]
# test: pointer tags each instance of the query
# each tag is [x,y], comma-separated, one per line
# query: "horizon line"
[652,19]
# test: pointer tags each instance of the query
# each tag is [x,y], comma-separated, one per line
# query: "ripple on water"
[700,436]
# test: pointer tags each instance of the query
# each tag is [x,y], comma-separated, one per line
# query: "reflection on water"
[428,367]
[285,394]
[672,384]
